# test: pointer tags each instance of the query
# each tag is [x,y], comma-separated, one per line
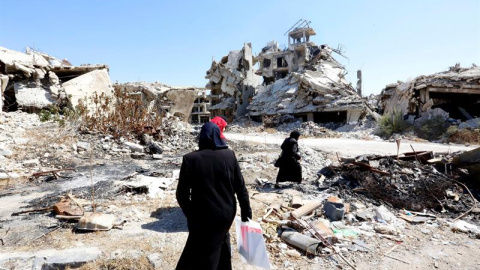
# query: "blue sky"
[173,42]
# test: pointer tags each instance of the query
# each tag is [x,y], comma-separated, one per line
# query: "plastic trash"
[250,243]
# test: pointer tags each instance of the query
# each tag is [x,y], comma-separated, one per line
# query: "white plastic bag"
[250,243]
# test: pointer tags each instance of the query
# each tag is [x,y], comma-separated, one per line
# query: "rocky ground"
[107,173]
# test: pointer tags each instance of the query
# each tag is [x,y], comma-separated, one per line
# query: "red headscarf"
[221,123]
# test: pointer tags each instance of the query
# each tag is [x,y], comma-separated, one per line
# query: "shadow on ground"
[170,220]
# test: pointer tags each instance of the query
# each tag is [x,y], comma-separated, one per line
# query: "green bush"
[431,129]
[57,114]
[45,115]
[392,123]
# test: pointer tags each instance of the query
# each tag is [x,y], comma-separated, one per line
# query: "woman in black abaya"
[288,162]
[209,180]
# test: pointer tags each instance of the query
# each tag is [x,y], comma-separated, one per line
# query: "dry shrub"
[140,263]
[120,115]
[455,135]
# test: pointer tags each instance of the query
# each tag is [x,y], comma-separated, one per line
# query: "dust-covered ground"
[155,230]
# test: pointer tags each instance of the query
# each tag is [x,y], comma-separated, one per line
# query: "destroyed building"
[303,80]
[35,80]
[200,111]
[456,92]
[187,103]
[233,83]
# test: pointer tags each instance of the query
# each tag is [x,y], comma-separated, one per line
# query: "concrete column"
[359,82]
[310,117]
[3,86]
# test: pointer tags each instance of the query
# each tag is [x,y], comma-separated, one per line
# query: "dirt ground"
[156,227]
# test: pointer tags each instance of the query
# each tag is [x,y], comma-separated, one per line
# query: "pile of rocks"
[15,133]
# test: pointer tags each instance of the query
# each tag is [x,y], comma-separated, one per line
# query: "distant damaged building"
[456,91]
[35,80]
[303,80]
[187,103]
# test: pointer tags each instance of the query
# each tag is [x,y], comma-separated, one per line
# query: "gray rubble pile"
[323,88]
[15,135]
[175,135]
[365,201]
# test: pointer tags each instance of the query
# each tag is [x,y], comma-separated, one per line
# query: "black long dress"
[209,180]
[290,168]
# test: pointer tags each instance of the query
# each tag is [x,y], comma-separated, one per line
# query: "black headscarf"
[295,134]
[210,137]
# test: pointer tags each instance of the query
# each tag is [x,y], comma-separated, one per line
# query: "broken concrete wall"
[163,99]
[35,80]
[84,87]
[182,102]
[36,97]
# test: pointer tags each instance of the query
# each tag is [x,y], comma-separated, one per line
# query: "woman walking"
[289,160]
[209,180]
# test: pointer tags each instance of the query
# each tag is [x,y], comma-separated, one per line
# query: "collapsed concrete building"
[188,103]
[456,92]
[35,80]
[233,83]
[303,80]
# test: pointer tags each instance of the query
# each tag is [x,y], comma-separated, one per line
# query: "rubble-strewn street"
[89,168]
[377,229]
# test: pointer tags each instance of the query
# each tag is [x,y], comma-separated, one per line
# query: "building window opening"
[281,62]
[266,62]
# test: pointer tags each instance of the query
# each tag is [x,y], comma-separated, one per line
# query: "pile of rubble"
[35,80]
[171,137]
[368,198]
[15,133]
[322,88]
